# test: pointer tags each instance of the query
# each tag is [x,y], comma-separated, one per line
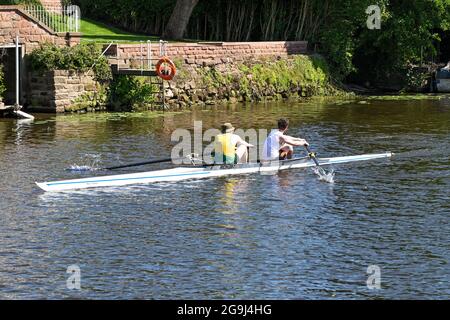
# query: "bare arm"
[294,141]
[243,142]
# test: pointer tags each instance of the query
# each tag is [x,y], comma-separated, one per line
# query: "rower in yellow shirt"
[229,147]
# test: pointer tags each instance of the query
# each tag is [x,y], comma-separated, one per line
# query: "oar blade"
[327,176]
[318,170]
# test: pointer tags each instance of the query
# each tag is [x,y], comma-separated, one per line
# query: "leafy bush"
[409,32]
[129,93]
[125,93]
[80,58]
[417,79]
[298,76]
[2,83]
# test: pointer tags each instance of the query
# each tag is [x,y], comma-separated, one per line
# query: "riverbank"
[225,81]
[208,79]
[207,74]
[266,78]
[75,79]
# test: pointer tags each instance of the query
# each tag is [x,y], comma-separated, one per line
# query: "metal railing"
[144,59]
[59,19]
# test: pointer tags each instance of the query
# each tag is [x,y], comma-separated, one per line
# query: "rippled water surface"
[286,236]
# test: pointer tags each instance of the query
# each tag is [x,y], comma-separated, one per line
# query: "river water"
[284,236]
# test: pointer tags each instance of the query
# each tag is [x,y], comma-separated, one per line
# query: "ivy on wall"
[80,58]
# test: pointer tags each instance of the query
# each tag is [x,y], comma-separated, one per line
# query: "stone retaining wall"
[58,91]
[14,21]
[52,3]
[209,53]
[255,79]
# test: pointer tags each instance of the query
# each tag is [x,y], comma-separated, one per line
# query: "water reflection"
[278,236]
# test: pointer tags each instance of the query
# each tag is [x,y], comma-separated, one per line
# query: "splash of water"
[324,175]
[75,167]
[89,162]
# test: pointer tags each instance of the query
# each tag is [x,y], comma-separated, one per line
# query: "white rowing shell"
[185,173]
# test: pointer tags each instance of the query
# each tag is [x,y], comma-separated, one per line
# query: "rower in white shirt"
[278,145]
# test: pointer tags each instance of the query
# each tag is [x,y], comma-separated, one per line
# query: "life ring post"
[165,68]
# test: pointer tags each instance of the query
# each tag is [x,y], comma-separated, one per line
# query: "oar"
[135,164]
[312,155]
[148,162]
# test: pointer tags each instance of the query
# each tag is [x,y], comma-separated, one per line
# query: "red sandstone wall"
[14,21]
[204,53]
[52,3]
[58,91]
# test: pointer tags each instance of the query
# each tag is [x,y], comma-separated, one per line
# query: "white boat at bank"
[443,81]
[201,172]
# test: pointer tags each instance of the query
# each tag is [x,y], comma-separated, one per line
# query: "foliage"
[130,93]
[308,75]
[417,79]
[407,35]
[80,58]
[2,83]
[233,20]
[95,100]
[125,92]
[132,15]
[395,47]
[301,75]
[409,29]
[246,20]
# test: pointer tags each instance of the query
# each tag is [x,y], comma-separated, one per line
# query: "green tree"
[409,28]
[407,37]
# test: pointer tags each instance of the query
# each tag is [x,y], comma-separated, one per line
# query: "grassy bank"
[94,31]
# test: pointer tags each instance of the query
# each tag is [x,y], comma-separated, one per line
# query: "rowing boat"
[185,173]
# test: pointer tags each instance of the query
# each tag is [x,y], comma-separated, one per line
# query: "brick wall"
[14,21]
[52,3]
[58,91]
[210,53]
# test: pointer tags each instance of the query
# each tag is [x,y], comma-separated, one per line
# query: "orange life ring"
[166,69]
